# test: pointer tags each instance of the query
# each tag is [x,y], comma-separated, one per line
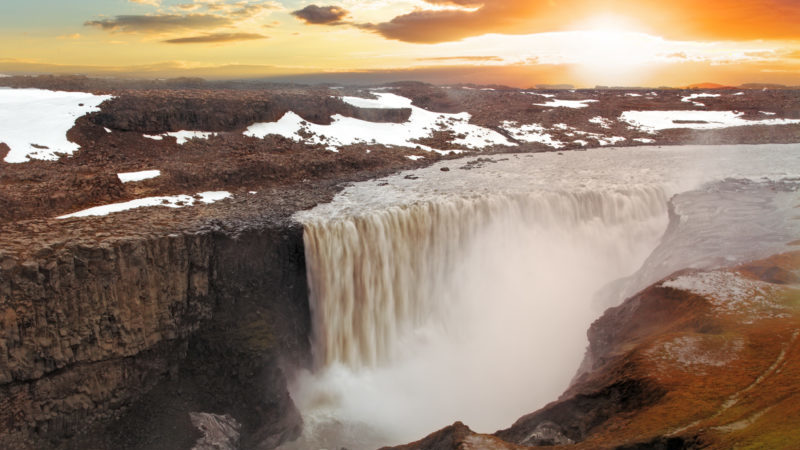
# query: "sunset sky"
[514,42]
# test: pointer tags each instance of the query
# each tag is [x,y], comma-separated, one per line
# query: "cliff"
[146,328]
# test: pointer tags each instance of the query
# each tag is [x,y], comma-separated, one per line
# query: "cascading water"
[467,296]
[375,278]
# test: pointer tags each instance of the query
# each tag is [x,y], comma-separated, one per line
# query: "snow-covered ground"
[348,131]
[601,121]
[601,139]
[691,98]
[128,177]
[34,122]
[727,288]
[182,136]
[530,133]
[575,104]
[652,121]
[540,94]
[732,293]
[173,201]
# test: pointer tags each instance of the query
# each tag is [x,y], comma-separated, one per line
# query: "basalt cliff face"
[200,320]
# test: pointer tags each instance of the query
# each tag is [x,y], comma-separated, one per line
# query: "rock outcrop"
[146,330]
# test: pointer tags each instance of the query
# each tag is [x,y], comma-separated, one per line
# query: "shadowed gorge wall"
[88,331]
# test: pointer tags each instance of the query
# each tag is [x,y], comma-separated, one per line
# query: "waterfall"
[376,277]
[446,309]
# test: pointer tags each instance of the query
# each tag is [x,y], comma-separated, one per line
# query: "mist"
[489,321]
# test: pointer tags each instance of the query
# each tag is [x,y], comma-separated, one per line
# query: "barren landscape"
[181,320]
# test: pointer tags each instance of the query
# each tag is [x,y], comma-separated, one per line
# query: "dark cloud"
[216,38]
[321,15]
[160,23]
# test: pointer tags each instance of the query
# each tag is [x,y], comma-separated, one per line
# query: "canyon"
[168,327]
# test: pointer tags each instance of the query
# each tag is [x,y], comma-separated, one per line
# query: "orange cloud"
[683,19]
[216,38]
[159,23]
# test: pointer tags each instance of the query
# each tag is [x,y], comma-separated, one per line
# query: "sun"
[612,49]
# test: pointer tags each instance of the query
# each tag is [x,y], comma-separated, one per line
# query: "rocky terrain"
[125,322]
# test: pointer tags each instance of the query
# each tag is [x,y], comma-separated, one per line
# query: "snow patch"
[540,94]
[575,104]
[608,140]
[182,136]
[629,94]
[415,157]
[530,133]
[108,130]
[645,140]
[652,121]
[127,177]
[174,201]
[345,131]
[691,98]
[34,122]
[768,113]
[603,122]
[731,293]
[601,139]
[715,351]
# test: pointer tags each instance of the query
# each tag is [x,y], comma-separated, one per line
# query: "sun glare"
[608,48]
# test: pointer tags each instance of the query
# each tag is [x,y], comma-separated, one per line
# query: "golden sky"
[514,42]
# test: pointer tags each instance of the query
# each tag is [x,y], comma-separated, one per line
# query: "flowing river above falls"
[466,294]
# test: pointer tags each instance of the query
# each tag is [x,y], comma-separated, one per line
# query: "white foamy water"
[466,295]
